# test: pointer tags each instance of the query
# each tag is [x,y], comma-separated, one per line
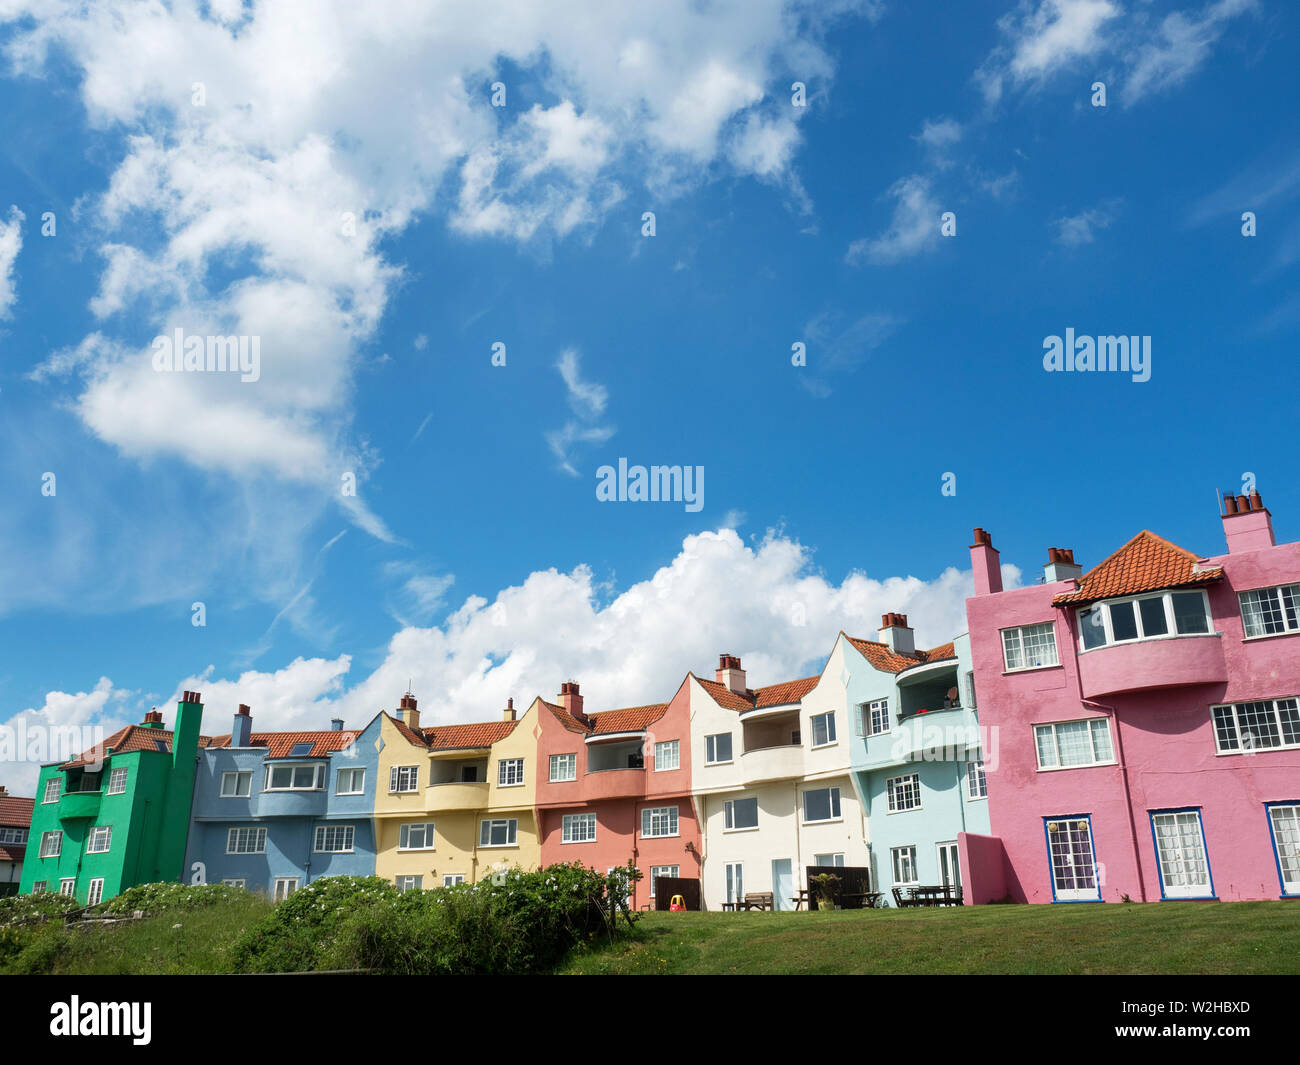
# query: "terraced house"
[771,781]
[275,810]
[615,788]
[118,814]
[15,823]
[916,752]
[454,803]
[1148,716]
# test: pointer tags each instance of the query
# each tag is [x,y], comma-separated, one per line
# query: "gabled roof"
[456,737]
[1147,563]
[15,812]
[125,741]
[887,660]
[606,722]
[411,736]
[789,691]
[280,744]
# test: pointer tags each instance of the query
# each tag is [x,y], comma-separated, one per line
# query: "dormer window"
[1145,617]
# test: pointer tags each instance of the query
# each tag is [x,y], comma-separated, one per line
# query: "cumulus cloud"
[11,243]
[915,225]
[1038,41]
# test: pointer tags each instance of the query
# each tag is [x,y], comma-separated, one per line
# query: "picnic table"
[928,895]
[870,899]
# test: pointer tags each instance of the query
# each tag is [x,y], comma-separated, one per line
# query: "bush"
[36,949]
[169,898]
[25,909]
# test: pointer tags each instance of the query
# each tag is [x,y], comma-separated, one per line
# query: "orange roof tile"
[16,812]
[127,740]
[789,691]
[565,718]
[724,696]
[628,719]
[887,660]
[412,736]
[1147,563]
[279,744]
[456,737]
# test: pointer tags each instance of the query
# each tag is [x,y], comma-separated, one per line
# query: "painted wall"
[1163,738]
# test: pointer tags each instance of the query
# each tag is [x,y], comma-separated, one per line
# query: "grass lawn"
[1135,938]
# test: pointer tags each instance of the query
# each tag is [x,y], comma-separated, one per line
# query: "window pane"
[744,813]
[1011,648]
[1225,730]
[1073,743]
[1258,725]
[817,805]
[1154,622]
[1123,621]
[1046,745]
[1092,626]
[1189,612]
[1289,712]
[1101,741]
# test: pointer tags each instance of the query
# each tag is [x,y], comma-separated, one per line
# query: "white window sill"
[413,850]
[909,810]
[728,831]
[1269,636]
[1033,669]
[1258,750]
[1083,765]
[518,784]
[334,852]
[575,842]
[824,821]
[823,746]
[497,846]
[662,835]
[668,769]
[710,764]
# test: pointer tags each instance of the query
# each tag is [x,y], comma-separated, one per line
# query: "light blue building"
[916,754]
[274,811]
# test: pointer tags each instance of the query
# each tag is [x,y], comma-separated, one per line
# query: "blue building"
[274,811]
[917,754]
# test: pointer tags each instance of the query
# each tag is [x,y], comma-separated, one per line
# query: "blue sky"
[475,560]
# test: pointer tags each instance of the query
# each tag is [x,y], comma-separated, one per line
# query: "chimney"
[985,562]
[153,719]
[241,732]
[336,724]
[510,709]
[1247,526]
[571,700]
[185,735]
[730,674]
[407,712]
[1061,565]
[4,792]
[895,631]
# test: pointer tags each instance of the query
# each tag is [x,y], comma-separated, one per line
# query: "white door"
[735,882]
[284,887]
[1074,865]
[949,865]
[1286,838]
[782,883]
[1180,850]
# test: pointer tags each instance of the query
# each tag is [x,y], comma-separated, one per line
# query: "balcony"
[75,804]
[613,784]
[308,803]
[457,795]
[762,764]
[1175,662]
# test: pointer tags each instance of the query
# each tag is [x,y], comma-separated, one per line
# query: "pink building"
[615,787]
[1144,721]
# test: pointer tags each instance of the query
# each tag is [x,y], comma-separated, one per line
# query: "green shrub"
[24,909]
[39,950]
[169,898]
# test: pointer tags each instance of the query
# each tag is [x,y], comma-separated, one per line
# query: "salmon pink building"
[1146,718]
[615,787]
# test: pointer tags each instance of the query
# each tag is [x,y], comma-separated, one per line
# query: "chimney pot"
[336,724]
[1229,504]
[985,567]
[241,731]
[1251,527]
[1256,502]
[1243,504]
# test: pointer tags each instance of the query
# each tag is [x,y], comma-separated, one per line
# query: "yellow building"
[454,803]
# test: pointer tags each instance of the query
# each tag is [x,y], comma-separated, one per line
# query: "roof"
[13,852]
[454,737]
[279,744]
[1147,563]
[15,812]
[127,740]
[607,722]
[789,691]
[887,660]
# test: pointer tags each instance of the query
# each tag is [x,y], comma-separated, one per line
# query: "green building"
[118,814]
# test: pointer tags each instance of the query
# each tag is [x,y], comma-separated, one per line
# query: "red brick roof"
[565,718]
[887,660]
[789,691]
[411,735]
[13,852]
[15,812]
[126,740]
[628,719]
[279,744]
[1147,563]
[456,737]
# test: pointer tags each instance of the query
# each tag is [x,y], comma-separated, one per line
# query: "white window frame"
[729,814]
[903,859]
[116,781]
[400,775]
[1280,592]
[13,835]
[873,718]
[734,881]
[55,784]
[668,756]
[95,891]
[836,859]
[903,787]
[1171,626]
[1164,859]
[428,830]
[563,767]
[970,689]
[665,817]
[99,840]
[1053,827]
[236,881]
[291,885]
[1286,816]
[836,810]
[354,773]
[510,773]
[253,834]
[487,825]
[327,832]
[409,882]
[1056,746]
[317,776]
[829,723]
[578,828]
[40,886]
[452,879]
[55,837]
[662,870]
[1246,741]
[976,774]
[243,779]
[68,886]
[711,749]
[1017,633]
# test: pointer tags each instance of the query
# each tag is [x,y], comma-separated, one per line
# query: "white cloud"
[914,227]
[937,136]
[1075,230]
[1179,46]
[1040,41]
[587,400]
[11,243]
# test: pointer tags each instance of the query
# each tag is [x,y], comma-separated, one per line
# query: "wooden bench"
[928,895]
[759,900]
